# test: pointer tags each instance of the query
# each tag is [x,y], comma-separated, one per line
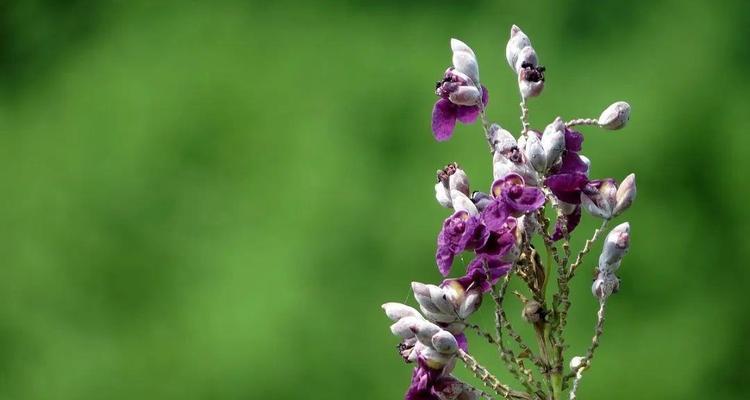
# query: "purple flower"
[519,198]
[460,232]
[483,272]
[567,187]
[569,177]
[459,101]
[423,382]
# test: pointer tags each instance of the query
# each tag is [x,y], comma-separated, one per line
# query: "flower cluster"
[537,176]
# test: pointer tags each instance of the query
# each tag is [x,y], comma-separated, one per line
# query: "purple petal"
[571,222]
[573,140]
[467,114]
[483,272]
[567,187]
[463,343]
[495,214]
[485,96]
[475,234]
[444,259]
[531,199]
[499,244]
[443,119]
[572,163]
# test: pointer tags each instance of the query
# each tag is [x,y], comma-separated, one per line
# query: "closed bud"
[470,303]
[462,203]
[465,96]
[599,197]
[534,151]
[433,358]
[577,362]
[529,88]
[615,116]
[422,295]
[459,181]
[625,194]
[502,140]
[616,245]
[424,331]
[396,311]
[553,141]
[517,42]
[443,196]
[440,299]
[526,57]
[605,284]
[533,312]
[464,60]
[444,342]
[481,200]
[403,327]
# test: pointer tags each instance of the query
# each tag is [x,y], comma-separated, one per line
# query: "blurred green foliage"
[212,199]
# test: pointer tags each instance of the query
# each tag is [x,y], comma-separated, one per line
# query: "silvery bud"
[424,331]
[616,245]
[598,197]
[462,203]
[440,300]
[403,327]
[502,140]
[517,42]
[464,60]
[470,303]
[527,56]
[553,141]
[444,342]
[465,96]
[443,196]
[534,151]
[625,195]
[605,284]
[615,116]
[459,181]
[396,311]
[433,358]
[422,295]
[528,85]
[586,161]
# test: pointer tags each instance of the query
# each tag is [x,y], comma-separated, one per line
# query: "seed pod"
[625,195]
[396,311]
[615,116]
[464,60]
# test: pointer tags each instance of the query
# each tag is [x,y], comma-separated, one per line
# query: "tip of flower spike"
[514,30]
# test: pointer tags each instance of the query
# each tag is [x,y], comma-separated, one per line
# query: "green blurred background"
[210,200]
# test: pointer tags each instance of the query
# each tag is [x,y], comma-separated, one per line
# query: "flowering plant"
[538,177]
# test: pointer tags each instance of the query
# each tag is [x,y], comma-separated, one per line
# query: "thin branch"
[582,121]
[490,380]
[586,362]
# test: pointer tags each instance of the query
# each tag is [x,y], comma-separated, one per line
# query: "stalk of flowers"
[541,187]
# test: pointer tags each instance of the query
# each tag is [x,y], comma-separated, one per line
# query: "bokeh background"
[210,200]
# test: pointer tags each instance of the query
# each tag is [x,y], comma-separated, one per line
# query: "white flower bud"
[465,96]
[625,194]
[396,311]
[424,330]
[577,362]
[586,161]
[444,342]
[553,141]
[434,359]
[459,181]
[600,201]
[605,284]
[470,304]
[534,151]
[440,300]
[422,295]
[616,245]
[462,203]
[502,140]
[403,327]
[615,116]
[528,88]
[464,60]
[443,195]
[518,40]
[527,56]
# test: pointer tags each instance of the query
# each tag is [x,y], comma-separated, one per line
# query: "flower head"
[519,198]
